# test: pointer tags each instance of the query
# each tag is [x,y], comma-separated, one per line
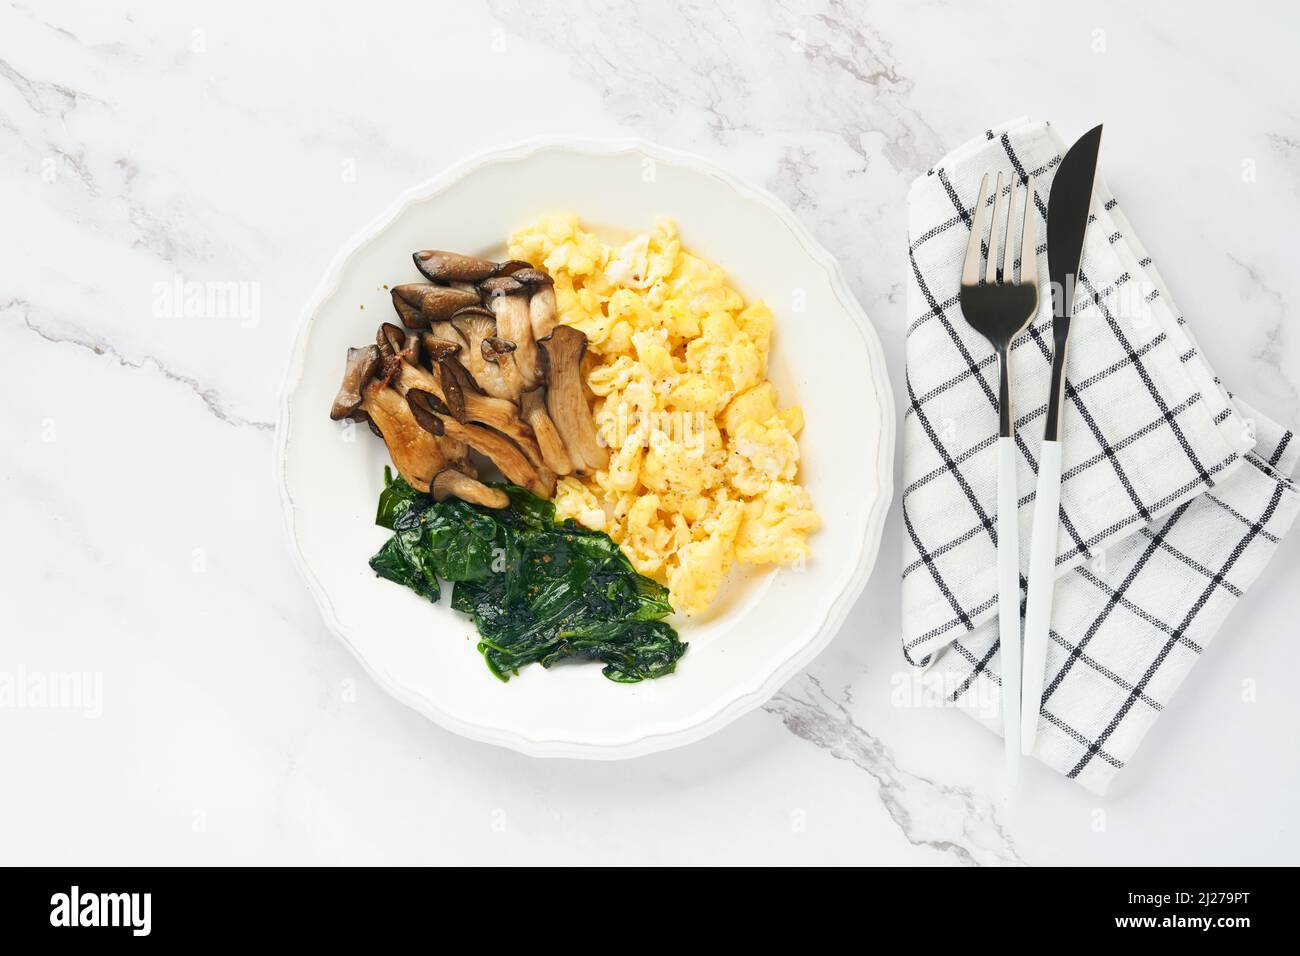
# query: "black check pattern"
[1173,495]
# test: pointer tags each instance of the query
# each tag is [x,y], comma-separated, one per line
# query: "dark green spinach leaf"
[537,590]
[395,500]
[405,560]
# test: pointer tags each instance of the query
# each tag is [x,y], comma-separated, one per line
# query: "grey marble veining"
[938,816]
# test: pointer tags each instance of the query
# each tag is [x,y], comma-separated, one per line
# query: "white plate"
[768,624]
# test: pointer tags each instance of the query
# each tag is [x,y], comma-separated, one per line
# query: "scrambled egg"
[704,464]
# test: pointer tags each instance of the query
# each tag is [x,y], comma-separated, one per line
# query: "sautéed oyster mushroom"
[467,371]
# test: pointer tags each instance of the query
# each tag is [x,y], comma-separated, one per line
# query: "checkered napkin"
[1174,494]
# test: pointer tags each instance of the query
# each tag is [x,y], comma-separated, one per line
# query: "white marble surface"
[246,142]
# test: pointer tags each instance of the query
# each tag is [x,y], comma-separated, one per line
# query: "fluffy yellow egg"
[704,462]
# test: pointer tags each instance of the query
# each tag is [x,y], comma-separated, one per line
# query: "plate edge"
[840,606]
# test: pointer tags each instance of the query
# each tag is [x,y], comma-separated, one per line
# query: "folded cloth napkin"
[1174,494]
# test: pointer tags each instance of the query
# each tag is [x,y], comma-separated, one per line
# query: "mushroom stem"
[565,400]
[465,403]
[502,352]
[505,454]
[415,451]
[542,311]
[508,300]
[453,483]
[532,409]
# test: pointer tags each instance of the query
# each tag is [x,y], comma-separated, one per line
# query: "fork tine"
[1008,268]
[995,241]
[1028,247]
[970,270]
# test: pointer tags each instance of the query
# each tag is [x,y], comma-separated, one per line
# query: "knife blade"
[1067,224]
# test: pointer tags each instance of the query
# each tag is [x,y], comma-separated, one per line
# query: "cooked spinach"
[538,590]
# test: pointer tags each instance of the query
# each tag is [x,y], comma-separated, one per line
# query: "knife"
[1067,223]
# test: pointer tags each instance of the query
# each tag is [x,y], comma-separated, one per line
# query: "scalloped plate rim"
[740,703]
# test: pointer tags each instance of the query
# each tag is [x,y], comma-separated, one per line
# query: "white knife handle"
[1009,600]
[1042,577]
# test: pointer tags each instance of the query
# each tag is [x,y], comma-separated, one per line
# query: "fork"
[998,307]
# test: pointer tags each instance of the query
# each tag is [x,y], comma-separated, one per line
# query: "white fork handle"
[1009,601]
[1042,577]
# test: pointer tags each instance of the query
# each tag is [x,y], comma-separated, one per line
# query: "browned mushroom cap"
[439,266]
[408,313]
[396,345]
[407,375]
[450,386]
[531,278]
[532,409]
[404,343]
[446,330]
[502,452]
[511,266]
[453,483]
[360,368]
[423,405]
[453,368]
[437,348]
[494,347]
[419,303]
[542,312]
[565,400]
[508,300]
[499,286]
